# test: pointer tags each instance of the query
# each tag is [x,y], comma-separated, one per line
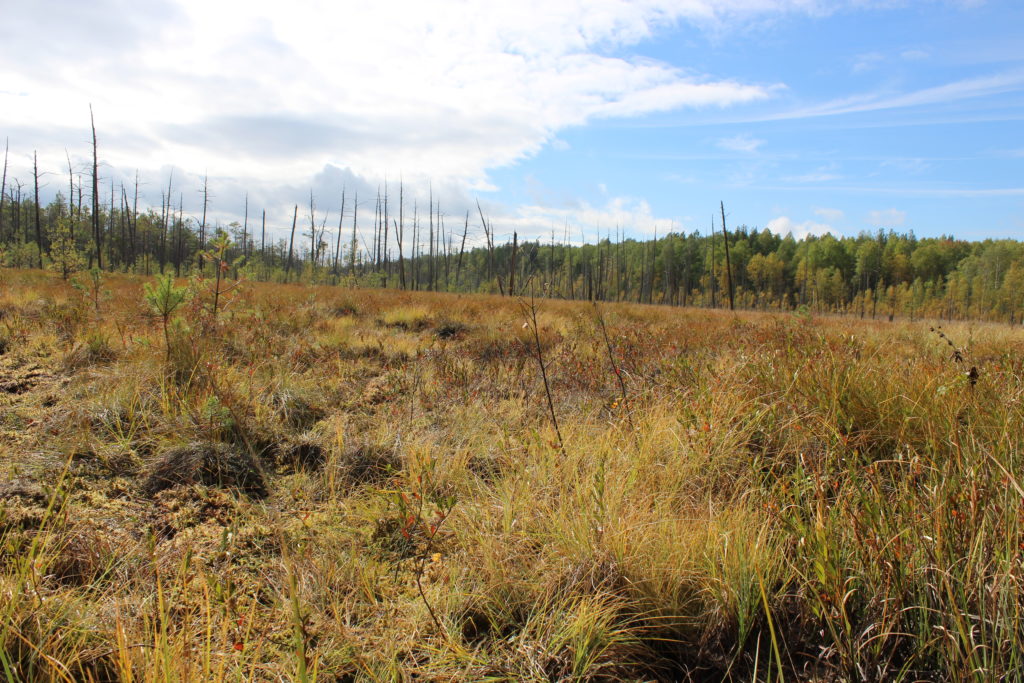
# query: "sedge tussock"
[362,485]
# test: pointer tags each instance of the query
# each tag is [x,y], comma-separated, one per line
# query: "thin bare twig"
[530,311]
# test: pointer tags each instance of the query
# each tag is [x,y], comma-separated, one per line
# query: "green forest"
[384,244]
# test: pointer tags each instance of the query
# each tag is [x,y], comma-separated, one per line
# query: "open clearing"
[331,484]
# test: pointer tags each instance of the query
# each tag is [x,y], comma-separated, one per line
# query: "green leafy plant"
[164,299]
[64,255]
[218,256]
[423,506]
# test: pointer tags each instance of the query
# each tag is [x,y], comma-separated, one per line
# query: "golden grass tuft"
[775,495]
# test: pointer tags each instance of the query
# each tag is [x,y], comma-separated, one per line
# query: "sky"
[578,118]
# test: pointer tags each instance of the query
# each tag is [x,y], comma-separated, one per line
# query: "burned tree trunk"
[96,236]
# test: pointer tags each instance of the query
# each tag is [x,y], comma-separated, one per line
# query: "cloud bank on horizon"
[473,97]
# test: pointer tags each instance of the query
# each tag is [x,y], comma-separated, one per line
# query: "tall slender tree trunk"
[3,188]
[245,231]
[202,224]
[180,257]
[312,239]
[512,268]
[134,225]
[167,220]
[341,219]
[711,246]
[430,246]
[415,246]
[97,237]
[123,250]
[728,265]
[39,232]
[110,229]
[462,248]
[385,254]
[291,243]
[400,232]
[71,191]
[355,244]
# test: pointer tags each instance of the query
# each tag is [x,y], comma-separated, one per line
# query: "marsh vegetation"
[324,483]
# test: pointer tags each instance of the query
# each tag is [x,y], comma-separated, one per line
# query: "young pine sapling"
[164,299]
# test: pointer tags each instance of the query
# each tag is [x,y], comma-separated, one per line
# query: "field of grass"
[329,484]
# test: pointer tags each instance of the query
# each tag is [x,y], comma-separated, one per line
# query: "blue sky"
[801,115]
[932,142]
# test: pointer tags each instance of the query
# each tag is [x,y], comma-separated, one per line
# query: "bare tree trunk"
[124,229]
[17,211]
[167,218]
[447,256]
[512,269]
[490,249]
[312,239]
[132,222]
[71,191]
[712,248]
[430,252]
[643,274]
[415,246]
[245,231]
[462,248]
[651,269]
[385,233]
[179,250]
[567,248]
[337,246]
[97,237]
[728,266]
[400,232]
[3,188]
[352,247]
[376,232]
[263,238]
[39,232]
[202,224]
[110,229]
[291,243]
[134,225]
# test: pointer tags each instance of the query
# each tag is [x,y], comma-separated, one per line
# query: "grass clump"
[368,485]
[210,464]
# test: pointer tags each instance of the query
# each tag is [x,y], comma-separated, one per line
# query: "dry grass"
[776,497]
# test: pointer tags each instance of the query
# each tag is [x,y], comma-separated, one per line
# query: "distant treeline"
[381,243]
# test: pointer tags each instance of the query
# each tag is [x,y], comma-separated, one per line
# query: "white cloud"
[741,143]
[982,86]
[887,218]
[822,175]
[914,55]
[783,225]
[630,214]
[830,215]
[439,89]
[867,62]
[907,165]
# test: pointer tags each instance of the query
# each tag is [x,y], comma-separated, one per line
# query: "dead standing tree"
[337,246]
[728,266]
[291,244]
[3,188]
[39,231]
[96,236]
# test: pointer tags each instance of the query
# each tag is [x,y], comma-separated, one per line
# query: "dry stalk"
[529,309]
[615,366]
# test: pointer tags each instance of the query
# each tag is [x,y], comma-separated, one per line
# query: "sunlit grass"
[775,495]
